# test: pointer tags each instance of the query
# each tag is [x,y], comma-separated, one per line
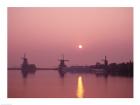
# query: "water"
[49,84]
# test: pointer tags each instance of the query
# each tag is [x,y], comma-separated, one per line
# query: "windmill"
[62,62]
[105,61]
[25,61]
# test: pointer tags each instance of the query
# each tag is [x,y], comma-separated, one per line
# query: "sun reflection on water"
[80,88]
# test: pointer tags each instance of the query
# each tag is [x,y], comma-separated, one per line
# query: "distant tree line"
[122,69]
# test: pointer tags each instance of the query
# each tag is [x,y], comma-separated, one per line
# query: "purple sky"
[44,34]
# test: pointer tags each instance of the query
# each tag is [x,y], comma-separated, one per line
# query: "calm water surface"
[49,84]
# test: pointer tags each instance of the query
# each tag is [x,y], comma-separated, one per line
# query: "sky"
[44,34]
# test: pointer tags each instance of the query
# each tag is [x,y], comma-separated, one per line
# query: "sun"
[80,46]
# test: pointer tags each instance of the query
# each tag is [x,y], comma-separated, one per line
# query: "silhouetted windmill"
[62,62]
[105,61]
[26,67]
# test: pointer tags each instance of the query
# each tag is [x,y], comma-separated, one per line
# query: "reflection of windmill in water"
[62,66]
[27,68]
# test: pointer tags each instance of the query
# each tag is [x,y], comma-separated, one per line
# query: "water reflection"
[48,84]
[80,88]
[61,73]
[26,72]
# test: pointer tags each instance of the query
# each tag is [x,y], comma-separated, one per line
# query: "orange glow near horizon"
[80,88]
